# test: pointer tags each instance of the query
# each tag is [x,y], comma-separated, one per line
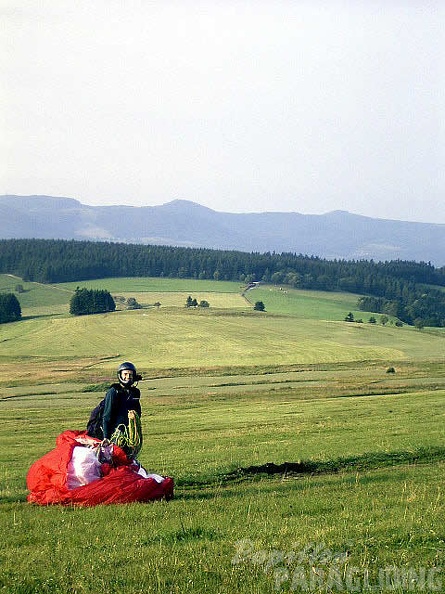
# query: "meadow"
[308,453]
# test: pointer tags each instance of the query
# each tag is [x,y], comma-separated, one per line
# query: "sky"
[241,106]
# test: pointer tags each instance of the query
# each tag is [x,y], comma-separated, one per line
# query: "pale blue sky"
[241,106]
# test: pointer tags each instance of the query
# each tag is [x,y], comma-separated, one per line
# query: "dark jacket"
[118,401]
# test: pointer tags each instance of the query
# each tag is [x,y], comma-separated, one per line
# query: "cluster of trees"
[130,303]
[10,310]
[420,307]
[384,319]
[410,290]
[91,301]
[193,302]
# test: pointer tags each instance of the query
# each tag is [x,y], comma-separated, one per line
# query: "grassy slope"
[192,338]
[298,328]
[311,389]
[377,517]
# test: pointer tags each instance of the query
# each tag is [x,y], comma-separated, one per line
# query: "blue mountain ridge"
[334,235]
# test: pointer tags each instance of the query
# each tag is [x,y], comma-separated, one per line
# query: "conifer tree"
[10,310]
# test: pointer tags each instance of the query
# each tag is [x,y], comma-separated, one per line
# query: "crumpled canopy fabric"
[47,478]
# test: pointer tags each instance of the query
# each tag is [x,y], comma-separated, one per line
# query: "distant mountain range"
[334,235]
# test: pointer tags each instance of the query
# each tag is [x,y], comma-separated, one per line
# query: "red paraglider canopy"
[119,480]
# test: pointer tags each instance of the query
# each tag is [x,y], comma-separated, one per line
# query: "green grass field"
[229,397]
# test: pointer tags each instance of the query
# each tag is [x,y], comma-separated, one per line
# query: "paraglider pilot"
[121,397]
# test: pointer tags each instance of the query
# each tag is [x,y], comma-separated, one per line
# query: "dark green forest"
[412,291]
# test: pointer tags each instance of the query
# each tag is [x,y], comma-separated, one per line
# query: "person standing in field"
[122,397]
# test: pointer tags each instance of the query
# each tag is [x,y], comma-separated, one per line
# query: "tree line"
[408,290]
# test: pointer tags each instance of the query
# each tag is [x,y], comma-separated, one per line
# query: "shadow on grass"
[367,461]
[42,315]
